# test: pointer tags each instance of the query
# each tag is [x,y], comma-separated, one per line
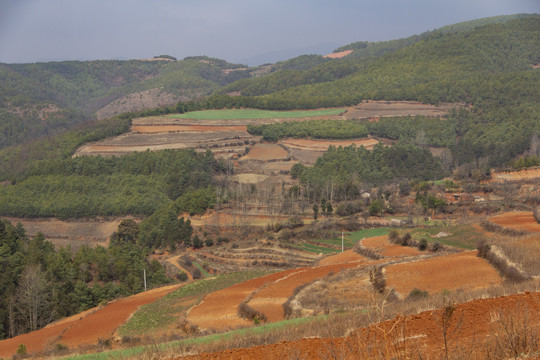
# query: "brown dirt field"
[42,339]
[373,108]
[472,327]
[519,220]
[249,178]
[270,300]
[381,245]
[448,272]
[73,232]
[219,310]
[84,328]
[322,145]
[184,128]
[102,323]
[338,55]
[532,173]
[266,152]
[219,218]
[346,256]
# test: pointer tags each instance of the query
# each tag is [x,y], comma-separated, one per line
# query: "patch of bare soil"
[344,257]
[138,101]
[383,246]
[472,330]
[448,272]
[102,323]
[338,55]
[184,128]
[322,145]
[237,219]
[501,176]
[519,220]
[219,310]
[266,152]
[270,300]
[375,108]
[76,233]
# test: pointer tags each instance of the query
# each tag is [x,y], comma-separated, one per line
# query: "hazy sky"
[45,30]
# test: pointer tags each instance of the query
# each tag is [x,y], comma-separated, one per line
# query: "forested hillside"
[47,98]
[489,67]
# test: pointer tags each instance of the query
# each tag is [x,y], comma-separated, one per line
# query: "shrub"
[393,237]
[209,242]
[422,245]
[294,222]
[405,239]
[21,350]
[247,312]
[196,274]
[417,294]
[377,279]
[436,247]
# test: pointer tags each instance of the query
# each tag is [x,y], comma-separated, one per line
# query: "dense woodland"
[40,284]
[136,184]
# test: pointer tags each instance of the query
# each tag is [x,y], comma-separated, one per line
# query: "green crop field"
[229,114]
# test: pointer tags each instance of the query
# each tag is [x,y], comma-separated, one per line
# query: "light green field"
[230,114]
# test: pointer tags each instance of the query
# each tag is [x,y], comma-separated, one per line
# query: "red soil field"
[344,257]
[270,300]
[219,310]
[381,245]
[102,323]
[519,220]
[448,272]
[184,128]
[84,328]
[266,152]
[322,145]
[472,326]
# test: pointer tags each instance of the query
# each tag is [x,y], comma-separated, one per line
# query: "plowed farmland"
[381,245]
[448,272]
[519,220]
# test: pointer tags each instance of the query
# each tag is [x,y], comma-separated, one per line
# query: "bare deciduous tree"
[31,297]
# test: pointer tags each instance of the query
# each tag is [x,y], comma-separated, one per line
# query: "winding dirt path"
[174,260]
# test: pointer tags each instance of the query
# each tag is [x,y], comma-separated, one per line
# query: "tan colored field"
[222,218]
[322,145]
[73,232]
[375,108]
[519,220]
[266,152]
[448,272]
[382,245]
[338,55]
[532,173]
[249,178]
[84,328]
[184,128]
